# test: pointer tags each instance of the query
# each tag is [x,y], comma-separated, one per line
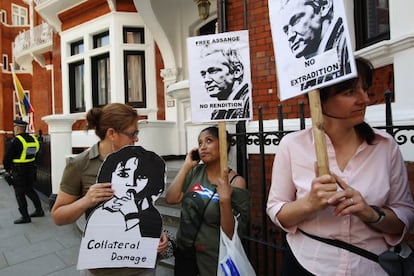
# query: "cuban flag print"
[204,192]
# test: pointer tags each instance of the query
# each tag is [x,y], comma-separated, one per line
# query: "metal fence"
[265,243]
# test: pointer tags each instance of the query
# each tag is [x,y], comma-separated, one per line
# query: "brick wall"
[41,94]
[383,80]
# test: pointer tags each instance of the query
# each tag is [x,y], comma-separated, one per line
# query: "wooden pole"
[223,146]
[318,132]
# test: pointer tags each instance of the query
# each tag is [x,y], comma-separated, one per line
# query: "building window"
[372,23]
[134,70]
[101,80]
[208,28]
[3,16]
[134,35]
[19,15]
[76,87]
[101,40]
[5,61]
[76,48]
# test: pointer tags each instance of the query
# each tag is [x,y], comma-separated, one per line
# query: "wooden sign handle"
[318,132]
[223,146]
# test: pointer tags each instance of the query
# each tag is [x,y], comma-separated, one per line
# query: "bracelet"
[380,212]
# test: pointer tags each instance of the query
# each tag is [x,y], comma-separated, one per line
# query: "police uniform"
[19,161]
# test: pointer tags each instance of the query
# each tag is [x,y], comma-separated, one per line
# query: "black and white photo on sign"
[220,78]
[311,39]
[125,230]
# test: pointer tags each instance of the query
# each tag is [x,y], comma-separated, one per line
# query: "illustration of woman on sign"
[138,179]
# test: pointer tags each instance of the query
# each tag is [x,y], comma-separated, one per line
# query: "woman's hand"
[189,158]
[349,201]
[226,214]
[322,189]
[224,187]
[98,192]
[162,246]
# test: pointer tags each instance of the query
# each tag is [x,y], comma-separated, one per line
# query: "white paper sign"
[219,75]
[311,43]
[125,230]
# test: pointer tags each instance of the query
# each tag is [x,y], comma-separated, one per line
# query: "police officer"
[19,161]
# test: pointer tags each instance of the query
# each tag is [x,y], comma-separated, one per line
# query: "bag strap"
[341,244]
[231,180]
[202,215]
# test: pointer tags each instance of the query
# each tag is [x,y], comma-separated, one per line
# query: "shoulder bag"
[397,261]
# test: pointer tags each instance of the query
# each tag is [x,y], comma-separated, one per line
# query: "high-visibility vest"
[29,150]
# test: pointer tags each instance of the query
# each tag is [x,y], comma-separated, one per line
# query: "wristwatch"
[380,212]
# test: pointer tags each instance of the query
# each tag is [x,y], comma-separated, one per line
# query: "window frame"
[19,15]
[361,25]
[95,79]
[75,44]
[5,61]
[3,16]
[72,87]
[139,30]
[98,37]
[136,104]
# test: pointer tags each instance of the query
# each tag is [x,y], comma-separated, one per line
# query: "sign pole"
[223,146]
[318,132]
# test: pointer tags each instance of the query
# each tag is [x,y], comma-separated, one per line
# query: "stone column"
[60,131]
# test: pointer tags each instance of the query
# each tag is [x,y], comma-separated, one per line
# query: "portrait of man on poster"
[312,29]
[222,72]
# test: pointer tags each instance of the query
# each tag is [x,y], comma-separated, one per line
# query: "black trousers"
[185,262]
[24,176]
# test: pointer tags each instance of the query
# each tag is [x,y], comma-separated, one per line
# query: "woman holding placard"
[365,201]
[116,126]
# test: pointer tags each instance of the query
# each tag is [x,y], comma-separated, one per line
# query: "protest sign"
[219,76]
[125,230]
[312,45]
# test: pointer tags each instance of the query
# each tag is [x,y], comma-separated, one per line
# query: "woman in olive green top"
[116,126]
[208,203]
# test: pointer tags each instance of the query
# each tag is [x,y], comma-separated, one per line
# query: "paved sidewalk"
[38,248]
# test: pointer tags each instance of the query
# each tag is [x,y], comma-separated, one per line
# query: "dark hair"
[213,130]
[365,72]
[115,115]
[150,165]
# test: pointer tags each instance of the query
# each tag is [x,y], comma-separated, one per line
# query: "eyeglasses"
[131,135]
